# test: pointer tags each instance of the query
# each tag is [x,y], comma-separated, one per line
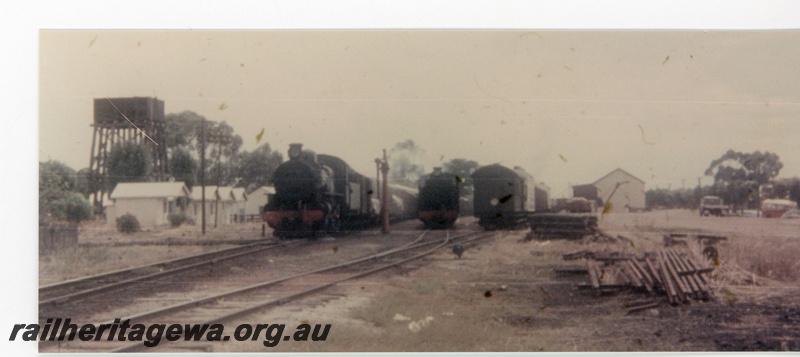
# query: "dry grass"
[97,252]
[76,262]
[771,258]
[98,232]
[760,247]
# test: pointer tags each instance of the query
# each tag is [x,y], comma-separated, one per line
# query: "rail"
[226,308]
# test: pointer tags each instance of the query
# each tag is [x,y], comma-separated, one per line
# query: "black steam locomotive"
[438,202]
[505,198]
[318,194]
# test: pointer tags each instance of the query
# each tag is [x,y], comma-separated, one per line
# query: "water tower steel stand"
[138,120]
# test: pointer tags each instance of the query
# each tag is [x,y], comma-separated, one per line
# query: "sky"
[567,106]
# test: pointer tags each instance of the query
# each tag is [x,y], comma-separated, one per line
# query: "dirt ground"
[505,296]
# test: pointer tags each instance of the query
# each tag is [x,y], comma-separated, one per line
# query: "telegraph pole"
[386,197]
[203,174]
[378,186]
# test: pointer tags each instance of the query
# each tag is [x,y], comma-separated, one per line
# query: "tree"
[128,162]
[257,169]
[182,130]
[662,198]
[183,167]
[84,185]
[72,208]
[463,170]
[185,132]
[224,146]
[56,182]
[787,189]
[404,163]
[739,175]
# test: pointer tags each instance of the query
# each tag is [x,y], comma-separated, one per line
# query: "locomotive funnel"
[295,150]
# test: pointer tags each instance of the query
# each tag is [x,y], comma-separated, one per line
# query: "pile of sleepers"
[667,271]
[562,225]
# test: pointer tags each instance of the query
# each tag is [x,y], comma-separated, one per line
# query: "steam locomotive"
[438,202]
[317,194]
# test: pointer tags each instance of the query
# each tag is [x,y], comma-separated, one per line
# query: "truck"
[713,205]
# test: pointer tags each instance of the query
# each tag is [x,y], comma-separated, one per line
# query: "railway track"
[74,290]
[242,301]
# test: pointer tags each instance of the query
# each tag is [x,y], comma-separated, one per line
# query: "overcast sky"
[568,106]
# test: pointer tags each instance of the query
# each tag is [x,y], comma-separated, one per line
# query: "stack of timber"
[562,225]
[606,257]
[667,272]
[680,239]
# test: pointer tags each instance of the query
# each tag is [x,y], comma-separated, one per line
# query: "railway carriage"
[505,198]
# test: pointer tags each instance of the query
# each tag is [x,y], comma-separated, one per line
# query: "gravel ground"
[503,295]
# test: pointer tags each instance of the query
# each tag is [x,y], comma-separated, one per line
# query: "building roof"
[149,190]
[263,190]
[402,188]
[239,194]
[211,193]
[223,193]
[621,170]
[226,193]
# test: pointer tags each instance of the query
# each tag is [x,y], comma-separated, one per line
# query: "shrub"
[128,223]
[73,208]
[176,219]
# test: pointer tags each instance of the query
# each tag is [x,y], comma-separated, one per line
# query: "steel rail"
[416,244]
[106,275]
[265,284]
[282,300]
[215,257]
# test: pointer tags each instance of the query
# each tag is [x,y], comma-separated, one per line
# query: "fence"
[57,236]
[243,218]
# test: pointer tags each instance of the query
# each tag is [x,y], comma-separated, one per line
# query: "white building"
[220,202]
[624,191]
[239,203]
[150,202]
[257,199]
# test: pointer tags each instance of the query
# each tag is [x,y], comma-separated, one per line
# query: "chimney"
[295,150]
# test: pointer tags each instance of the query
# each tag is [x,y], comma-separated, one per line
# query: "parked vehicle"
[713,205]
[776,208]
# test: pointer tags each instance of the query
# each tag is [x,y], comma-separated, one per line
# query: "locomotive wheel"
[333,224]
